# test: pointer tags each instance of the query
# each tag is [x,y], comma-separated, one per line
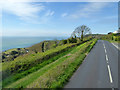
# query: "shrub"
[32,59]
[64,41]
[14,52]
[72,40]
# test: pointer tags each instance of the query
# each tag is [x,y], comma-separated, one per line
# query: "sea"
[22,42]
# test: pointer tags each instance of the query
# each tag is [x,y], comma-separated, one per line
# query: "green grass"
[56,77]
[17,76]
[14,49]
[56,73]
[28,79]
[23,63]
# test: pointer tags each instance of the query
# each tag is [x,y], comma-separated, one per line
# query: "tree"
[81,31]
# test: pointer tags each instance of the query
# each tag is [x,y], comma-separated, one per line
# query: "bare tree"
[81,31]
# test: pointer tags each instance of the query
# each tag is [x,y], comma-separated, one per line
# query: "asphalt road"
[99,69]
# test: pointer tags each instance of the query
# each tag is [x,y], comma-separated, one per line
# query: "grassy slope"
[15,77]
[49,75]
[10,50]
[38,47]
[23,63]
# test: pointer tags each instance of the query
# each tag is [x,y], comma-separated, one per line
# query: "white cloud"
[88,10]
[64,14]
[49,13]
[24,10]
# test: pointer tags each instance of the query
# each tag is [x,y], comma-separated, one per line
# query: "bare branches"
[81,31]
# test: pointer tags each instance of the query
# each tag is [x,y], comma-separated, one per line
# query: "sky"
[57,18]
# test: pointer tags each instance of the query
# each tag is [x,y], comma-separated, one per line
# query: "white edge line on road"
[115,46]
[110,75]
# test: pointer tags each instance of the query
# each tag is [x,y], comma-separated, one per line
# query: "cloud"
[88,10]
[49,13]
[24,10]
[64,14]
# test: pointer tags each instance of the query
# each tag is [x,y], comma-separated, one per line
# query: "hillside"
[40,63]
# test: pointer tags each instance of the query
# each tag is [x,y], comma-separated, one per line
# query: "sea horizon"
[10,42]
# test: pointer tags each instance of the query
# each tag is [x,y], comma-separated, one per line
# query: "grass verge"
[55,74]
[15,77]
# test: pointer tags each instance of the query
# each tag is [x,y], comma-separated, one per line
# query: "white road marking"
[110,75]
[112,88]
[105,51]
[106,57]
[107,61]
[109,71]
[104,45]
[115,46]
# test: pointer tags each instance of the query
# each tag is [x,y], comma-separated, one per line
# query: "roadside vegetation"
[111,37]
[11,76]
[60,70]
[48,64]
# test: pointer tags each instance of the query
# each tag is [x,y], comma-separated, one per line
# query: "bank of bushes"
[23,63]
[111,37]
[57,73]
[17,76]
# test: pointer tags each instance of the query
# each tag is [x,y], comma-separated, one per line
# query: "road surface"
[99,69]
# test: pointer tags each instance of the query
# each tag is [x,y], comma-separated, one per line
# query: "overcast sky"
[57,19]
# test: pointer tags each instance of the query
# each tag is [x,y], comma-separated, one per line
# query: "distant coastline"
[24,42]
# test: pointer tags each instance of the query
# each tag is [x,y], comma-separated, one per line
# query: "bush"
[33,60]
[14,52]
[112,38]
[72,40]
[64,41]
[115,38]
[119,38]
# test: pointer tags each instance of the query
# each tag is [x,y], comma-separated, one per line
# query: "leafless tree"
[81,31]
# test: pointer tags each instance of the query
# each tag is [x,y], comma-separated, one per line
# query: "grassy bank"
[55,74]
[23,63]
[16,76]
[114,38]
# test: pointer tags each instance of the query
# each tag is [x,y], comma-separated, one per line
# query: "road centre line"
[104,45]
[108,66]
[106,57]
[110,75]
[105,51]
